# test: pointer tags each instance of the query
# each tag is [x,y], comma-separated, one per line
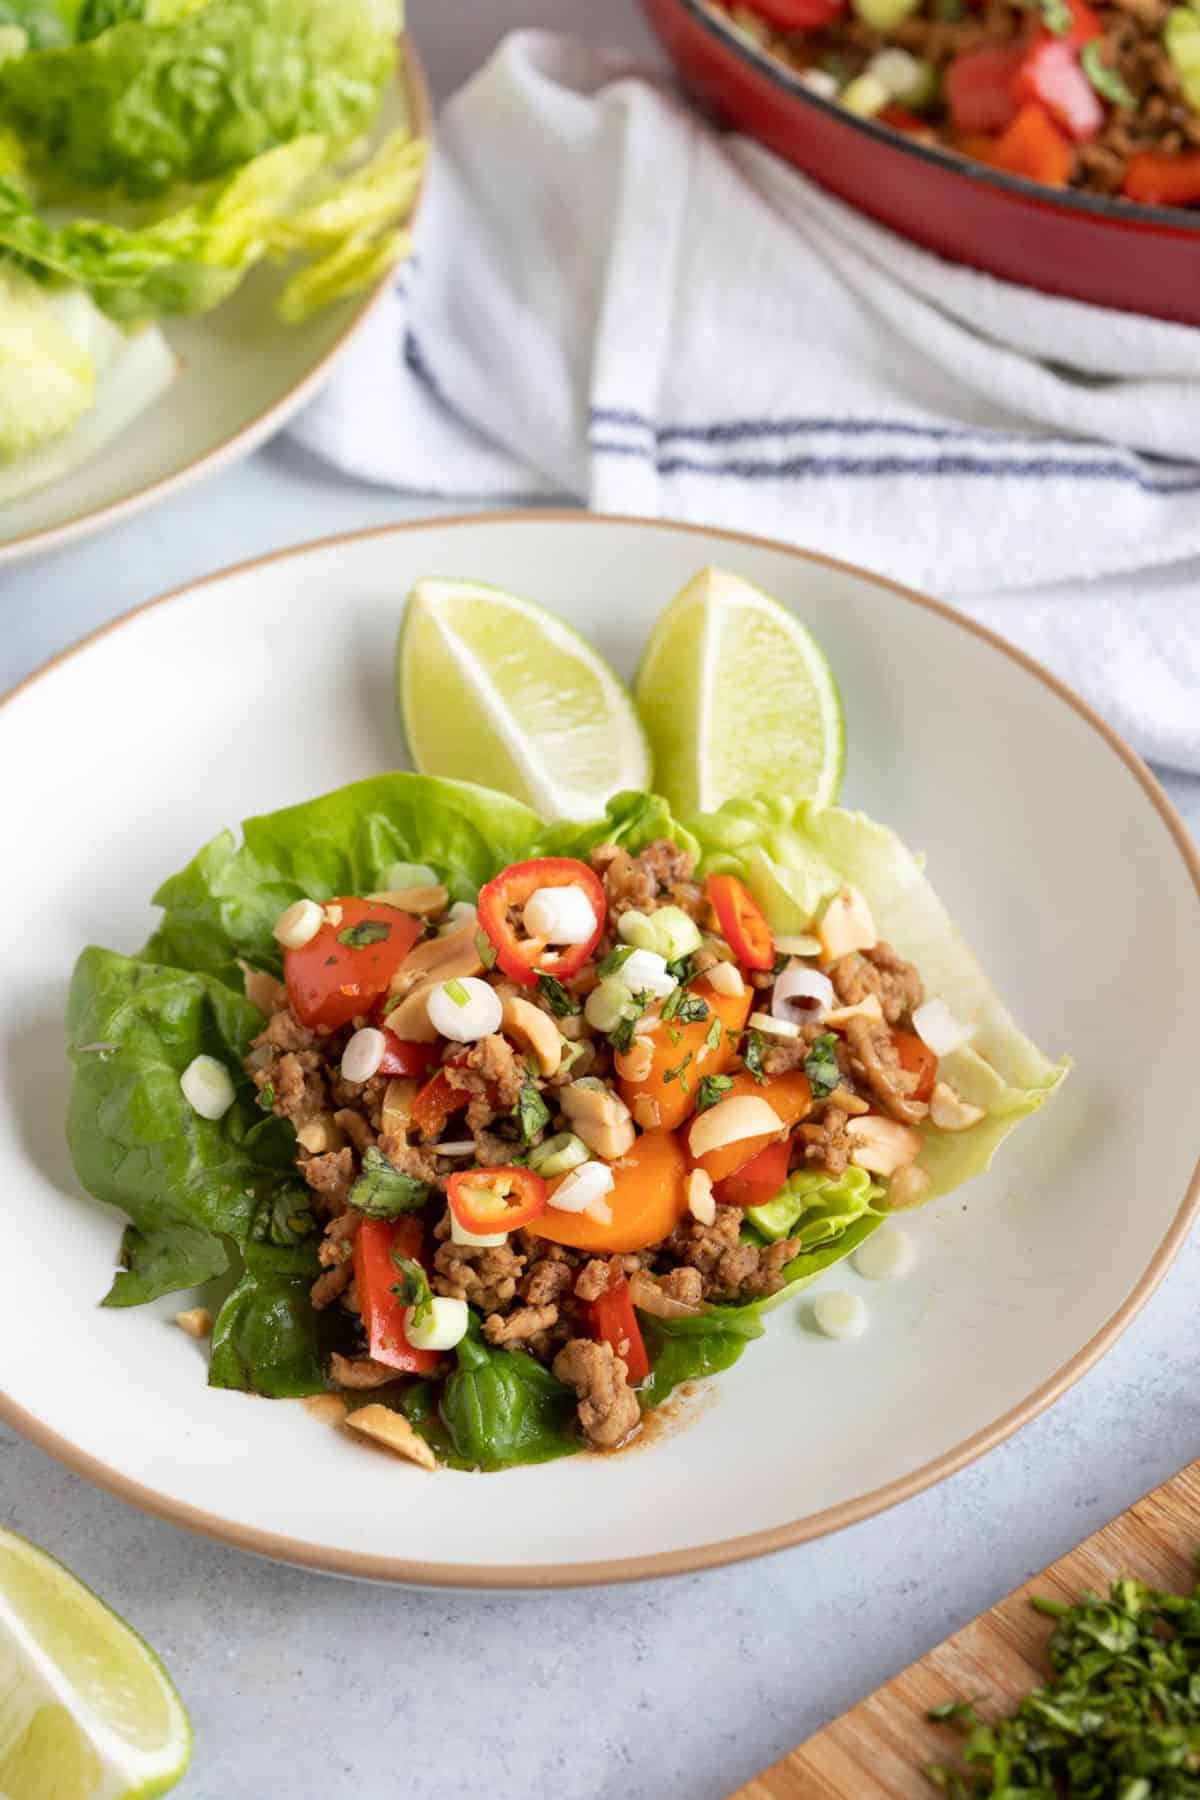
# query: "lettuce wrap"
[206,1198]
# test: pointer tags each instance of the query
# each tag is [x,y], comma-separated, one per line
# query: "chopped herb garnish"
[368,931]
[752,1054]
[412,1289]
[780,964]
[531,1112]
[1106,80]
[676,1074]
[821,1066]
[621,1037]
[454,990]
[266,1095]
[674,1033]
[383,1192]
[561,1003]
[485,949]
[330,961]
[673,1002]
[1119,1718]
[712,1088]
[691,1009]
[682,968]
[712,1037]
[616,959]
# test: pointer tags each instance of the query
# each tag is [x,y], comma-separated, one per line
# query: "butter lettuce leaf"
[501,1408]
[223,906]
[165,94]
[794,856]
[692,1348]
[631,819]
[190,1186]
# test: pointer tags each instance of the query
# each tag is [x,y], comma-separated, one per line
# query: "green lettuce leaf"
[184,94]
[692,1348]
[631,819]
[264,1339]
[284,203]
[224,904]
[188,1184]
[814,1206]
[794,857]
[500,1408]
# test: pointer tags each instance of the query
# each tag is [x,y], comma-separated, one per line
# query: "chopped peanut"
[393,1431]
[197,1321]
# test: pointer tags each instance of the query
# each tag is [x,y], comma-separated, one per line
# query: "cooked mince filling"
[603,1138]
[1102,97]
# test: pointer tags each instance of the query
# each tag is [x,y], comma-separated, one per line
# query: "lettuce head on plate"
[203,1194]
[154,151]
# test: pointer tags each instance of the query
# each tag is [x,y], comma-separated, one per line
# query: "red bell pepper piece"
[614,1322]
[401,1056]
[375,1275]
[758,1180]
[1034,146]
[522,958]
[978,87]
[435,1103]
[489,1200]
[1084,25]
[917,1059]
[900,119]
[347,967]
[1052,76]
[799,15]
[1160,180]
[741,920]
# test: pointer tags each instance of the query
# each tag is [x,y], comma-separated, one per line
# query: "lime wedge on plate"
[87,1711]
[738,699]
[495,689]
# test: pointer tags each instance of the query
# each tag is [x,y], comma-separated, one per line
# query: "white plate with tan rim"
[243,374]
[1053,846]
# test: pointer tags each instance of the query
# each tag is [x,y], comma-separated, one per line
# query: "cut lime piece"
[738,700]
[87,1711]
[495,689]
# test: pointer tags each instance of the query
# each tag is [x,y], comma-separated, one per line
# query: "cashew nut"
[635,1063]
[862,1009]
[393,1431]
[410,1020]
[847,925]
[723,978]
[422,900]
[535,1030]
[647,1112]
[949,1112]
[397,1105]
[882,1145]
[321,1134]
[701,1204]
[600,1117]
[262,990]
[441,958]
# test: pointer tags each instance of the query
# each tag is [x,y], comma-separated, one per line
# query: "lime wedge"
[738,699]
[87,1711]
[495,689]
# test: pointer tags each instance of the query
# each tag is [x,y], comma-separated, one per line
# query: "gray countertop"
[304,1686]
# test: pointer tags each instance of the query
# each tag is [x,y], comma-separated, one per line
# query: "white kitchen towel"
[614,301]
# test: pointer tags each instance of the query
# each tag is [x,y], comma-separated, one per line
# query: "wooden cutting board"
[879,1746]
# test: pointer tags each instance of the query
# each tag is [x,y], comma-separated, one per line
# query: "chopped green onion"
[1106,80]
[455,991]
[711,1089]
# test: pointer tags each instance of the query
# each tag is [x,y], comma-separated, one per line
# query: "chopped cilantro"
[412,1289]
[682,968]
[552,991]
[752,1054]
[621,1037]
[821,1066]
[674,1033]
[531,1112]
[712,1088]
[368,931]
[383,1192]
[676,1074]
[713,1035]
[616,959]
